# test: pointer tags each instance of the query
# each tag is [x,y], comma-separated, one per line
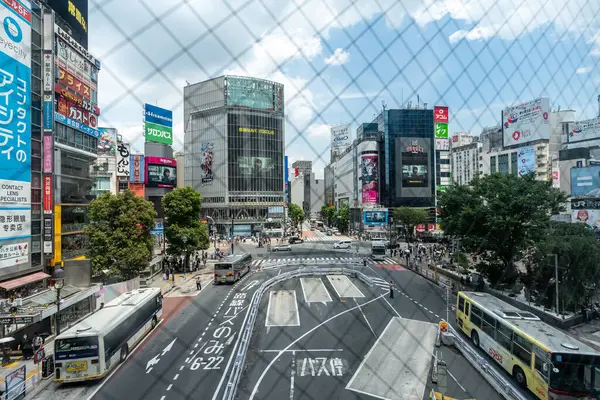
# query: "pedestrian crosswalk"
[387,263]
[270,263]
[382,283]
[328,239]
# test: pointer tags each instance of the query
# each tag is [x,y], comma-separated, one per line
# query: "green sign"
[158,133]
[441,130]
[441,188]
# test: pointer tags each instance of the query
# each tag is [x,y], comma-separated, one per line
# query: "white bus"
[378,250]
[232,268]
[90,349]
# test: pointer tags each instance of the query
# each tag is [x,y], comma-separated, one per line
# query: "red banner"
[47,194]
[75,98]
[71,110]
[69,81]
[440,114]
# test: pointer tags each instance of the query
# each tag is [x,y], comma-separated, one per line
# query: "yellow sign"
[76,366]
[443,326]
[256,130]
[74,11]
[57,235]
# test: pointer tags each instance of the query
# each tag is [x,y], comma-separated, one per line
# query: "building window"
[73,218]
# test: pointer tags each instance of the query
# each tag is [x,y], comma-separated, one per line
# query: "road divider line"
[365,317]
[302,351]
[293,375]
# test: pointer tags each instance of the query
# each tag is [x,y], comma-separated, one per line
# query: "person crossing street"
[391,289]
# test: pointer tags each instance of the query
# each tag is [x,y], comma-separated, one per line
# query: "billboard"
[75,13]
[123,155]
[245,92]
[441,130]
[161,172]
[15,121]
[526,122]
[47,194]
[207,156]
[48,152]
[413,164]
[369,167]
[70,82]
[138,189]
[584,130]
[440,114]
[375,217]
[107,143]
[158,124]
[137,169]
[72,110]
[591,218]
[443,144]
[526,160]
[340,138]
[585,181]
[81,127]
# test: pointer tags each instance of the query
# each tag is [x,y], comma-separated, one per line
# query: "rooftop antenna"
[402,91]
[418,101]
[383,104]
[408,104]
[425,106]
[599,105]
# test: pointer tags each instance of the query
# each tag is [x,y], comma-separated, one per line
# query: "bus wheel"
[124,353]
[520,377]
[154,322]
[475,338]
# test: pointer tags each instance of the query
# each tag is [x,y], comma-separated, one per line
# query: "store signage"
[15,192]
[48,113]
[76,125]
[440,114]
[80,101]
[48,194]
[48,150]
[71,110]
[256,130]
[17,223]
[25,320]
[48,234]
[48,75]
[70,81]
[441,130]
[414,147]
[79,48]
[14,254]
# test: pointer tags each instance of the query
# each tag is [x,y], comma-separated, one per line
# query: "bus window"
[540,365]
[522,349]
[504,336]
[476,316]
[467,306]
[461,304]
[489,325]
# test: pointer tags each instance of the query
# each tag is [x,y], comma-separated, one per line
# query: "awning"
[24,280]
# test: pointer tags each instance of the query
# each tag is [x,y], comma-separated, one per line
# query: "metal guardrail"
[240,357]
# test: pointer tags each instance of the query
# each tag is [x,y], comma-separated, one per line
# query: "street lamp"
[555,279]
[185,255]
[58,278]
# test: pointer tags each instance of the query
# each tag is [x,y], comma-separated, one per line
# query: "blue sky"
[339,59]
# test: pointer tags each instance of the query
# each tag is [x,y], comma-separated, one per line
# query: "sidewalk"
[33,380]
[183,281]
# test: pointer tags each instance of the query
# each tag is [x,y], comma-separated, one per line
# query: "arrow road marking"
[169,347]
[250,285]
[153,361]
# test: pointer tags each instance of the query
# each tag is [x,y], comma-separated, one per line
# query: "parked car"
[295,239]
[342,244]
[282,247]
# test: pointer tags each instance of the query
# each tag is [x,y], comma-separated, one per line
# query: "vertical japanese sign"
[15,117]
[441,119]
[136,169]
[123,159]
[48,75]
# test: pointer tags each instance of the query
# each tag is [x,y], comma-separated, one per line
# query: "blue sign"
[526,160]
[286,172]
[157,115]
[375,218]
[76,125]
[137,169]
[15,96]
[585,181]
[48,116]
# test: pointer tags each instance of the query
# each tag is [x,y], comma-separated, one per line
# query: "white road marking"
[301,350]
[169,388]
[457,382]
[182,367]
[365,317]
[292,377]
[175,377]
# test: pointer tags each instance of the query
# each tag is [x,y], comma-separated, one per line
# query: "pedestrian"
[37,341]
[391,289]
[198,283]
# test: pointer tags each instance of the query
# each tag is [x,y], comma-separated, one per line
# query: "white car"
[342,244]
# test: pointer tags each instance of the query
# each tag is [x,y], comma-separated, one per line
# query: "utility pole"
[231,235]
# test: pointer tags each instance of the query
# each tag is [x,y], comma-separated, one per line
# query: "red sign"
[77,99]
[19,9]
[69,81]
[454,138]
[47,194]
[440,114]
[73,111]
[420,228]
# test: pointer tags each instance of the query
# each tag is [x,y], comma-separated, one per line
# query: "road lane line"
[292,377]
[264,372]
[169,388]
[301,350]
[365,317]
[182,367]
[175,377]
[457,382]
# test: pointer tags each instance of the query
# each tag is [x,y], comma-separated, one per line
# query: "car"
[342,244]
[282,247]
[295,239]
[328,233]
[312,228]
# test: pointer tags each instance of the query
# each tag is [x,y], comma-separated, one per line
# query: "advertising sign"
[48,113]
[585,181]
[72,62]
[441,130]
[370,179]
[375,217]
[206,162]
[60,118]
[591,218]
[158,124]
[48,75]
[15,383]
[48,206]
[251,93]
[286,171]
[340,138]
[77,99]
[136,168]
[584,130]
[48,153]
[75,13]
[71,82]
[15,223]
[413,165]
[161,172]
[555,177]
[14,254]
[75,112]
[123,155]
[440,114]
[443,144]
[526,160]
[138,189]
[526,122]
[48,234]
[107,143]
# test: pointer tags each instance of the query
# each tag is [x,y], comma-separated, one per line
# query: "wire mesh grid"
[461,54]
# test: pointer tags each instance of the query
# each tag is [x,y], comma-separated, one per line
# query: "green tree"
[328,214]
[499,217]
[296,214]
[409,217]
[184,230]
[119,231]
[577,250]
[342,217]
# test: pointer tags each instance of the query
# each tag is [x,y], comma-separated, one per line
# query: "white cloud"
[583,70]
[339,57]
[319,131]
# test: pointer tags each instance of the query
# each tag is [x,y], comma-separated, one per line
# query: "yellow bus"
[550,363]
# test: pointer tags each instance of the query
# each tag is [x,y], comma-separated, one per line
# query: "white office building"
[466,162]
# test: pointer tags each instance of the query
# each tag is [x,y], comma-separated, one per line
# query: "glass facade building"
[234,145]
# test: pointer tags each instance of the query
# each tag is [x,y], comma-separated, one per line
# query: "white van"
[342,244]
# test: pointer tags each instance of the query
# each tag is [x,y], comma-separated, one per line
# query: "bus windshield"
[378,250]
[76,347]
[576,374]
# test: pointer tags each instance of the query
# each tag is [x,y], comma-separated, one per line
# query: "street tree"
[342,216]
[576,249]
[119,231]
[296,214]
[499,217]
[328,214]
[409,217]
[184,230]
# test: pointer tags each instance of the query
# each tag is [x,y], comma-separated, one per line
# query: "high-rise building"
[234,145]
[302,167]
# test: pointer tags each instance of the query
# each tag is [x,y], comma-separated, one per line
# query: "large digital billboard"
[161,172]
[75,13]
[585,181]
[15,121]
[375,217]
[413,164]
[158,124]
[369,167]
[526,122]
[526,160]
[584,130]
[252,93]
